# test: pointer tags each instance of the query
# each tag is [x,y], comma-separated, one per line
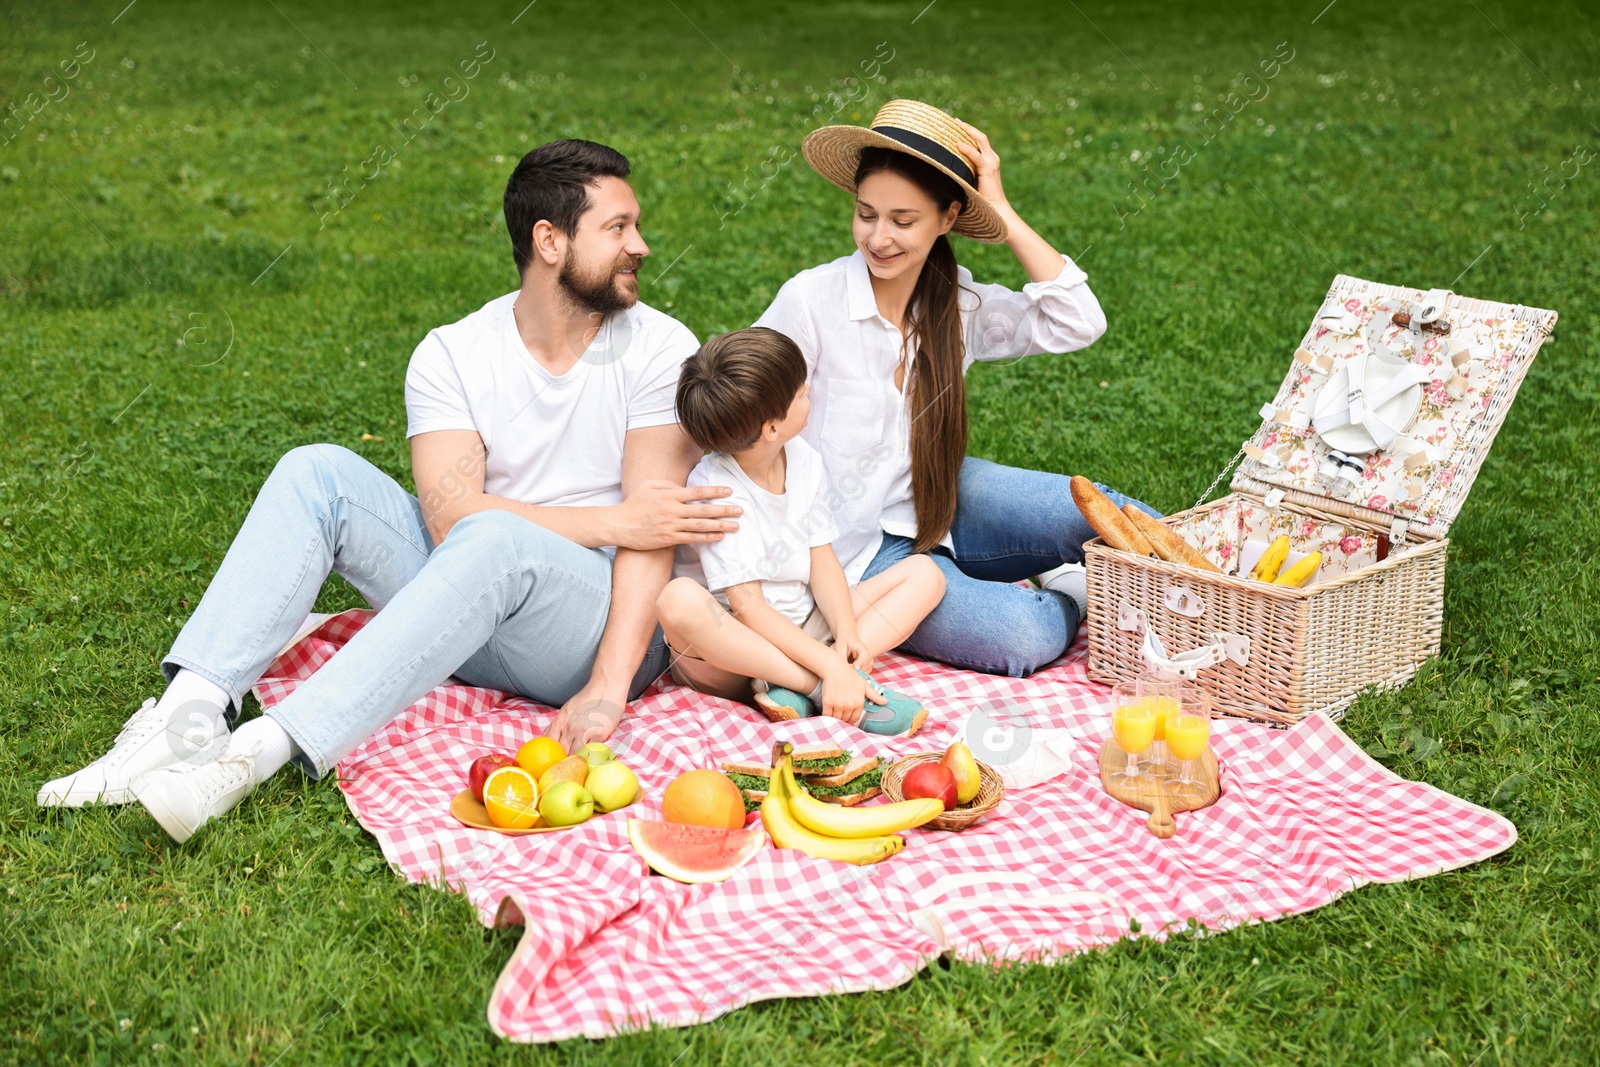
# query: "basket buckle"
[1222,646]
[1182,600]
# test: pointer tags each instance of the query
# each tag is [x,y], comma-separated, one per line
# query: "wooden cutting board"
[1153,796]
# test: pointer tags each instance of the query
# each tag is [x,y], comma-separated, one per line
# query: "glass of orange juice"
[1160,691]
[1187,737]
[1133,725]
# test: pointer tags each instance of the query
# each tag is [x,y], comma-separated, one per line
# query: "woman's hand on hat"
[985,164]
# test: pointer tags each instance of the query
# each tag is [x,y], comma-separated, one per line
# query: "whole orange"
[539,755]
[512,798]
[704,798]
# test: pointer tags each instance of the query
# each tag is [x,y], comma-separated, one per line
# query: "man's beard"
[598,292]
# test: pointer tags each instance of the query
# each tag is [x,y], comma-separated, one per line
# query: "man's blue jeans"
[502,604]
[1010,524]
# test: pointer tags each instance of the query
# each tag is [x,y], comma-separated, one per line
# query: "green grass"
[141,211]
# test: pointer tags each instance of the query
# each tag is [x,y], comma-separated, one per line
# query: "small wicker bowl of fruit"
[946,776]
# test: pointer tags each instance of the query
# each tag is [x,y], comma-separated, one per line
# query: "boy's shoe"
[903,716]
[148,741]
[185,797]
[783,705]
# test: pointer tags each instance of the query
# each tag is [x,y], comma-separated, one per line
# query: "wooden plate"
[468,812]
[1153,795]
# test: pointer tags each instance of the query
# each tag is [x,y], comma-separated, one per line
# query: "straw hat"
[917,129]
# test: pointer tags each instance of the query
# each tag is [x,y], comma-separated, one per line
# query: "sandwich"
[826,771]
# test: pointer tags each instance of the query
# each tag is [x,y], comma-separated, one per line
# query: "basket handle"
[1223,645]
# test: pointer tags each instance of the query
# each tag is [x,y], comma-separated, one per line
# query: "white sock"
[270,745]
[1069,579]
[188,687]
[195,710]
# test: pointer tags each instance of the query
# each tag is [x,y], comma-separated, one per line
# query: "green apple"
[566,804]
[612,785]
[596,753]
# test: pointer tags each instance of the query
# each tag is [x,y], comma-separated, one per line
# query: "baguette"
[1112,525]
[1167,542]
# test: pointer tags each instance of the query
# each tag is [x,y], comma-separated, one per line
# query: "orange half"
[512,797]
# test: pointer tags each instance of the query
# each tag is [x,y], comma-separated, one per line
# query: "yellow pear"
[959,762]
[572,769]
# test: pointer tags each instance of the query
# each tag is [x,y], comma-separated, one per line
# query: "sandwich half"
[829,773]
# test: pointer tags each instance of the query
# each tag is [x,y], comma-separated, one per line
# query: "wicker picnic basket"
[1380,517]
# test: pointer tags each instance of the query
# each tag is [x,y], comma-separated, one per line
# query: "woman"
[888,333]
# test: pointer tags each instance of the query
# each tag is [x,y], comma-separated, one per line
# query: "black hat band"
[933,150]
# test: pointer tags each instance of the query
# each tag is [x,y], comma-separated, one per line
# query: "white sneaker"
[185,797]
[1071,579]
[148,740]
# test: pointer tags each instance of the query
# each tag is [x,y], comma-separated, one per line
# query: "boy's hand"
[854,651]
[845,694]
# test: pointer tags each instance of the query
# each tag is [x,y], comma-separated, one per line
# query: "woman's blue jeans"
[1010,524]
[502,603]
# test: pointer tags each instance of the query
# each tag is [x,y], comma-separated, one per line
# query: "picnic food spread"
[606,941]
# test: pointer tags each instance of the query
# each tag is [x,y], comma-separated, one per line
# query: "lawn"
[224,227]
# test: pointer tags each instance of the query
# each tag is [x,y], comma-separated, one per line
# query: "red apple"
[483,767]
[930,780]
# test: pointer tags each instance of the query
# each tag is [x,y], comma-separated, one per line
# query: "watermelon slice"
[688,853]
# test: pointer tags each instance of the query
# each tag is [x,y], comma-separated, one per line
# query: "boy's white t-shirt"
[551,440]
[776,533]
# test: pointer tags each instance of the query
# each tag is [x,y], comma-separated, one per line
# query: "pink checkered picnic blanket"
[1304,816]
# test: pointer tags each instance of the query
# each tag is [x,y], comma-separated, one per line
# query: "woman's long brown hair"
[936,392]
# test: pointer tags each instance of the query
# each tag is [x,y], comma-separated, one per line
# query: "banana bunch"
[795,819]
[1271,561]
[1302,570]
[1269,568]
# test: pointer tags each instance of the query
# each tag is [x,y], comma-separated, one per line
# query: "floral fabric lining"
[1221,532]
[1475,372]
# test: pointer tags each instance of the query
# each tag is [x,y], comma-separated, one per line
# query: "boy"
[775,617]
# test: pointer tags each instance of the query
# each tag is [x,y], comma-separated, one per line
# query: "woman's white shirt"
[859,421]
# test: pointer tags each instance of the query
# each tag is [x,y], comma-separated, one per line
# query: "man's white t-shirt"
[551,440]
[776,533]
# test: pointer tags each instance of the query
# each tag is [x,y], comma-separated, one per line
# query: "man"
[542,433]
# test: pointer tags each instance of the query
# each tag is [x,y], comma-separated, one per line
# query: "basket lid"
[1391,403]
